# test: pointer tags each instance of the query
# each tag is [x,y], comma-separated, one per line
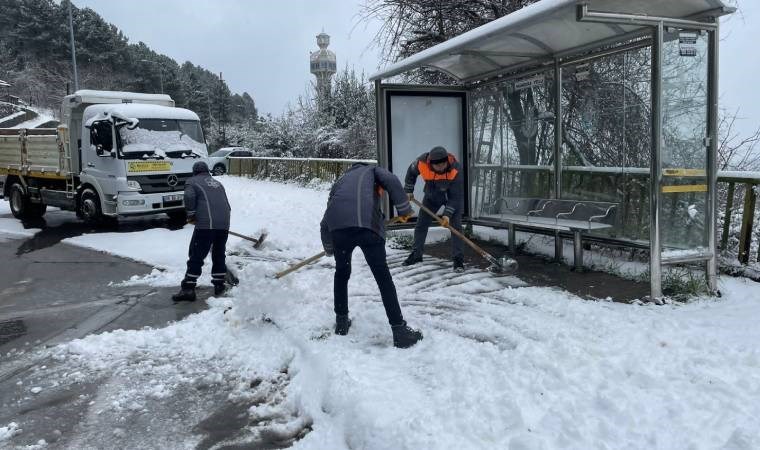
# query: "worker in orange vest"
[444,186]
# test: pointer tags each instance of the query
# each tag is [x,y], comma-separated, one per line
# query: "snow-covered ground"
[502,365]
[43,116]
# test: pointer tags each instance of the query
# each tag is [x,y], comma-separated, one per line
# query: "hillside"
[35,58]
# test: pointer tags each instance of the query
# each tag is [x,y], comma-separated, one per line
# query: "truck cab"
[120,154]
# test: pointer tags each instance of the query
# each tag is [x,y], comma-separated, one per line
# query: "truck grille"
[160,183]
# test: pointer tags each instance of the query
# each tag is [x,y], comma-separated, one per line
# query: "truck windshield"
[162,138]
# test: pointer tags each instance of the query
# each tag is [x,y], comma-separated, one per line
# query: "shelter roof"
[542,31]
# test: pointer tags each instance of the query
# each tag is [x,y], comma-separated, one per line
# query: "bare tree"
[736,152]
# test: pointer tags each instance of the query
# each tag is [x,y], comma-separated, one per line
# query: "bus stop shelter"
[565,106]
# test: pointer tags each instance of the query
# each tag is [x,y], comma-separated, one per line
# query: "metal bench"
[574,216]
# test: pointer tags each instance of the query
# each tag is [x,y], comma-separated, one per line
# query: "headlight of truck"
[132,184]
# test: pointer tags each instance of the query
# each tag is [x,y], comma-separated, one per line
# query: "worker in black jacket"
[208,208]
[444,186]
[353,219]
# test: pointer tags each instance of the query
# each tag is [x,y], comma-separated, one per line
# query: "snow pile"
[44,115]
[502,365]
[9,431]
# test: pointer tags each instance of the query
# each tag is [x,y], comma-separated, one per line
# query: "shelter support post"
[381,137]
[712,159]
[558,243]
[557,129]
[655,263]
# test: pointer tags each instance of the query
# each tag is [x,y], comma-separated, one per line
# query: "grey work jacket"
[206,202]
[355,201]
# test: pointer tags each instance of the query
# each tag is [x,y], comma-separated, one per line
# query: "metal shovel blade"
[503,266]
[260,240]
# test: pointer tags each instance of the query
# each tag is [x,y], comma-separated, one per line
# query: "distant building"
[323,65]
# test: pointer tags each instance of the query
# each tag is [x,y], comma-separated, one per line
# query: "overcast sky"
[262,47]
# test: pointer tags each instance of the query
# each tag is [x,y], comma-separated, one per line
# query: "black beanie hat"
[200,167]
[438,155]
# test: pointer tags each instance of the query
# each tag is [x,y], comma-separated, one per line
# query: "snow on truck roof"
[139,111]
[93,96]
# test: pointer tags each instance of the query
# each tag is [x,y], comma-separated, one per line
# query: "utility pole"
[221,109]
[73,50]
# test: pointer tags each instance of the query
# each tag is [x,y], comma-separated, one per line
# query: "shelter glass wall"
[684,195]
[513,142]
[606,137]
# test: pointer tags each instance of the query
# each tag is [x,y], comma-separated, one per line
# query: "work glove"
[410,196]
[191,219]
[445,221]
[404,218]
[329,250]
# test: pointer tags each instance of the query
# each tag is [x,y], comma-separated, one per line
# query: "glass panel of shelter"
[513,143]
[606,142]
[684,191]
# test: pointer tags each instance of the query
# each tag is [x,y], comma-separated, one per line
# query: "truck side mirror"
[101,137]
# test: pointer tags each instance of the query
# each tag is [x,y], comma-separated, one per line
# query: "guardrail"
[629,186]
[292,169]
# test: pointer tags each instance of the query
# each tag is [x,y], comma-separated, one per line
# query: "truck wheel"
[22,207]
[219,169]
[89,207]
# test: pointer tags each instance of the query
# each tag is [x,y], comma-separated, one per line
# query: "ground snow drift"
[501,366]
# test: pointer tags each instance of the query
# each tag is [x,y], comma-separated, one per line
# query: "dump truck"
[115,154]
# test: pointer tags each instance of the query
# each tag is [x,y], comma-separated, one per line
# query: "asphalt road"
[50,293]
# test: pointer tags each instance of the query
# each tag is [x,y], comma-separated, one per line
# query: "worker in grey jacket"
[208,208]
[353,219]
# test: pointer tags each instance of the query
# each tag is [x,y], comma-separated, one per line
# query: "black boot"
[404,336]
[186,293]
[413,258]
[342,324]
[219,289]
[458,264]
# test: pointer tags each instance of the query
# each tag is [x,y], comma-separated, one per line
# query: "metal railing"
[629,186]
[292,169]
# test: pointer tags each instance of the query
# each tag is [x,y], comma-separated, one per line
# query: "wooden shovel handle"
[454,231]
[247,238]
[297,266]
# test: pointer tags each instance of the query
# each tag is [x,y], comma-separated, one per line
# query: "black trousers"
[202,242]
[373,247]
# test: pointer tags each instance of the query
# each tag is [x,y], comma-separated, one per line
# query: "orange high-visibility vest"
[428,174]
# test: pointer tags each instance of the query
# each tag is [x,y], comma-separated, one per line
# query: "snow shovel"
[256,242]
[501,265]
[311,259]
[297,266]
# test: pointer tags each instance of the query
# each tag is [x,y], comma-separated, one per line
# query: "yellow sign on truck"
[149,166]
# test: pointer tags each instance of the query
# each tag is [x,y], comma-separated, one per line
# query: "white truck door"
[99,158]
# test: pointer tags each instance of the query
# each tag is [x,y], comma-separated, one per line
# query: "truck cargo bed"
[34,152]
